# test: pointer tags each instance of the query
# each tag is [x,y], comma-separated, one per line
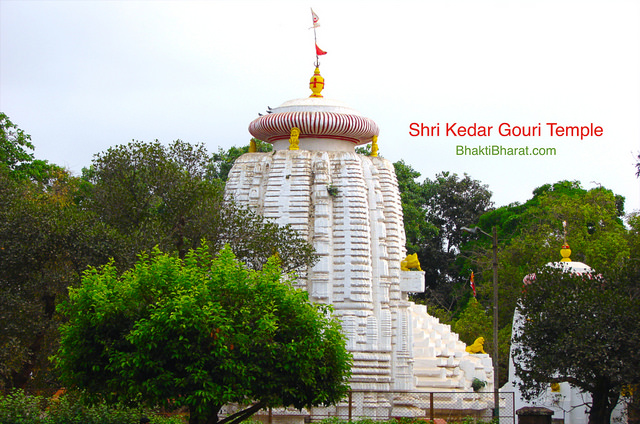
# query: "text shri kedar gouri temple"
[348,206]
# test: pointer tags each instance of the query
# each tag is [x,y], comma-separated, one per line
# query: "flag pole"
[319,52]
[315,39]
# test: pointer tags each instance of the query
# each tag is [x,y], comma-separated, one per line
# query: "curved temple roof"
[317,118]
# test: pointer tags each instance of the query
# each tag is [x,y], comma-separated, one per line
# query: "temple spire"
[565,251]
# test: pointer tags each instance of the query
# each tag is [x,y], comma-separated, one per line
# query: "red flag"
[319,51]
[473,285]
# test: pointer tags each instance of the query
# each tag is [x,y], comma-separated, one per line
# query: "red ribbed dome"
[317,118]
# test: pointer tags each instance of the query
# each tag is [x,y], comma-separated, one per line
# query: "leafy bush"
[478,384]
[20,408]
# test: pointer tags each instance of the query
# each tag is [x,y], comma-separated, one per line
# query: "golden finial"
[316,84]
[252,146]
[374,146]
[565,251]
[293,139]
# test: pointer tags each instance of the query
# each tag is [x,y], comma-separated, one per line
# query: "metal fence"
[438,407]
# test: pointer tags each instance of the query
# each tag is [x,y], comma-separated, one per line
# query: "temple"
[568,404]
[348,206]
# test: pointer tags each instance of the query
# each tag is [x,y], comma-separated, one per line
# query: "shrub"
[20,408]
[478,384]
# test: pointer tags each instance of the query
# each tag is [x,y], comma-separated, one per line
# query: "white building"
[348,206]
[568,403]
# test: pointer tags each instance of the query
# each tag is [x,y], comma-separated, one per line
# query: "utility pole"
[496,379]
[494,355]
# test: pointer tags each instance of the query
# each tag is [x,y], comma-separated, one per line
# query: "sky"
[82,76]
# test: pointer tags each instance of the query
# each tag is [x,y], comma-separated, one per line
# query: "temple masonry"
[348,206]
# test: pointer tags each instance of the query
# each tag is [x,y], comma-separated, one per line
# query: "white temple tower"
[348,206]
[568,403]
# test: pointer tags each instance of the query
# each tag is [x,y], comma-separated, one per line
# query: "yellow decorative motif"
[409,262]
[555,387]
[566,253]
[316,84]
[477,346]
[252,146]
[293,139]
[374,146]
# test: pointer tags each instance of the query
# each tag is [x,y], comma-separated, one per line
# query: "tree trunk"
[633,407]
[244,414]
[209,417]
[602,404]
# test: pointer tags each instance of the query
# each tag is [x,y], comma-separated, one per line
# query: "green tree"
[14,144]
[53,225]
[15,155]
[434,213]
[163,195]
[633,236]
[453,202]
[531,235]
[473,323]
[45,244]
[581,329]
[418,228]
[202,333]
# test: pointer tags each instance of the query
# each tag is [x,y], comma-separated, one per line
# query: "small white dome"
[316,104]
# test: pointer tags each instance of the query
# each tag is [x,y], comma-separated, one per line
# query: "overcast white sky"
[81,76]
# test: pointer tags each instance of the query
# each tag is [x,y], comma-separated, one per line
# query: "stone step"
[436,373]
[422,362]
[422,383]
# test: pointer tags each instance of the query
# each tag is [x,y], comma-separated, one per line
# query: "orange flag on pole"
[319,51]
[316,24]
[473,284]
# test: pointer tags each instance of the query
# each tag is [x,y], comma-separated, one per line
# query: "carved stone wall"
[348,206]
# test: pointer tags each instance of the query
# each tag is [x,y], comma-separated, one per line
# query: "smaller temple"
[568,403]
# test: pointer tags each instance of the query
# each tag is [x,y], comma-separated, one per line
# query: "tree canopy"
[531,235]
[165,196]
[201,332]
[581,329]
[45,244]
[14,145]
[16,157]
[54,225]
[434,213]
